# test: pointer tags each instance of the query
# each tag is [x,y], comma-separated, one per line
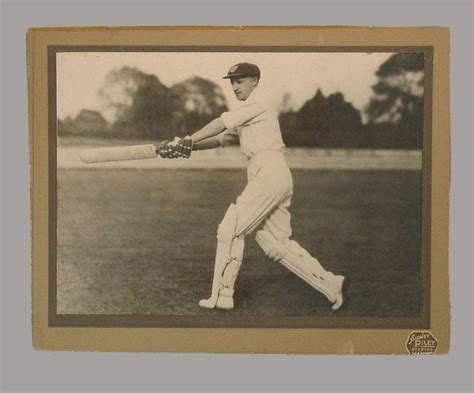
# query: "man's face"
[243,86]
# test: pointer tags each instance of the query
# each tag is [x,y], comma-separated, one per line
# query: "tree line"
[143,107]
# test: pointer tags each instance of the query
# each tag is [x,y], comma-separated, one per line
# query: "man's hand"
[185,147]
[178,148]
[164,149]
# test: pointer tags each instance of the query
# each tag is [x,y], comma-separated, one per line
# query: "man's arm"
[228,120]
[183,147]
[215,127]
[205,144]
[205,138]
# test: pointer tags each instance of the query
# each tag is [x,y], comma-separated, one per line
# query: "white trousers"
[265,199]
[267,196]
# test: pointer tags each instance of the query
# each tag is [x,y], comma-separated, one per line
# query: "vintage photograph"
[237,187]
[240,189]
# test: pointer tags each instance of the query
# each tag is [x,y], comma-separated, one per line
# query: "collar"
[253,95]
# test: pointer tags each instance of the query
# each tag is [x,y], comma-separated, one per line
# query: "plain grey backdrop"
[24,369]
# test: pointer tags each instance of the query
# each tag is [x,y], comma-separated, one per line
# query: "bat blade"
[120,153]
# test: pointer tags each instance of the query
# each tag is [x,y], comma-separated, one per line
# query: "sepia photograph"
[239,184]
[205,194]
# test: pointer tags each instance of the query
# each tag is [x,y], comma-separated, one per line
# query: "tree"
[141,105]
[328,122]
[66,126]
[200,101]
[288,118]
[398,98]
[87,122]
[90,122]
[145,108]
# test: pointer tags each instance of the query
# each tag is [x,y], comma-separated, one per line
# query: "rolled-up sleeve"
[241,116]
[228,138]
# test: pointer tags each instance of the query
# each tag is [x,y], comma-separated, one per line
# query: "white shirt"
[256,125]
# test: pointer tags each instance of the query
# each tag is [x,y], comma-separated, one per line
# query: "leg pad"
[230,250]
[296,259]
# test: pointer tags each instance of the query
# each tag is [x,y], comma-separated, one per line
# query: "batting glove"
[167,149]
[185,147]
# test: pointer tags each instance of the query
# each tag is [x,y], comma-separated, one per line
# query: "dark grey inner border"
[423,321]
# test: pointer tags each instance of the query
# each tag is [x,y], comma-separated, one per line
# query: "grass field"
[143,242]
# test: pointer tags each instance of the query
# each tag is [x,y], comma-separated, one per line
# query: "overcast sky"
[80,75]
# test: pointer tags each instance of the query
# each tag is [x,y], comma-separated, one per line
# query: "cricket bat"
[120,153]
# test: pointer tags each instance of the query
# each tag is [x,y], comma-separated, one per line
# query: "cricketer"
[263,204]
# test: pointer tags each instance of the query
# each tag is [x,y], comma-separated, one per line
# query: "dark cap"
[243,69]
